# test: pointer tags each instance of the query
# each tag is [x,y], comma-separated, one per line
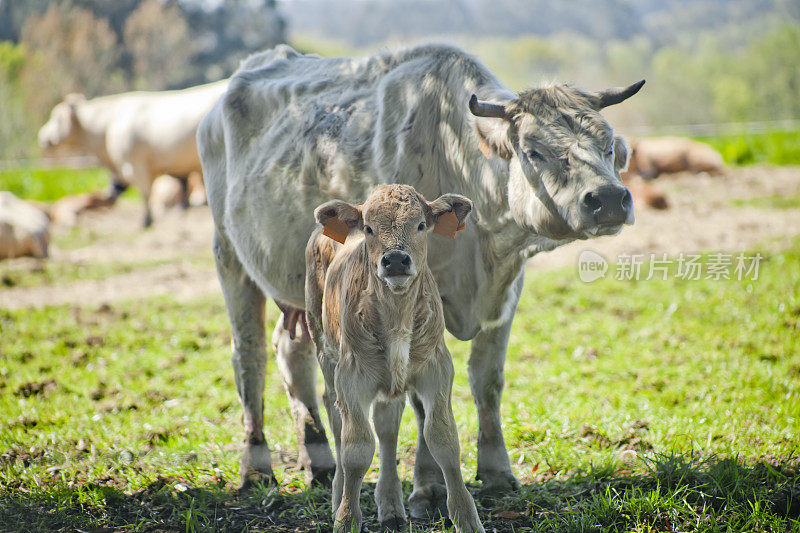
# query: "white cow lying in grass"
[24,228]
[137,135]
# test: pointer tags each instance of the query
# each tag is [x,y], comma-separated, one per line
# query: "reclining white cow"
[136,135]
[293,131]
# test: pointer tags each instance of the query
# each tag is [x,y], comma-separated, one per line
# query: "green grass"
[629,406]
[50,184]
[776,148]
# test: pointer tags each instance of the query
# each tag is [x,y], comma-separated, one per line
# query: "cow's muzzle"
[396,263]
[609,205]
[396,269]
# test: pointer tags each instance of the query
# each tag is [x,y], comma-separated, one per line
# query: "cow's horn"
[616,95]
[484,109]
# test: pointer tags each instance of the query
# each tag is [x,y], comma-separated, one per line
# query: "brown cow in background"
[667,155]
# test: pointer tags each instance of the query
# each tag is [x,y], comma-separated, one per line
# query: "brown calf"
[376,319]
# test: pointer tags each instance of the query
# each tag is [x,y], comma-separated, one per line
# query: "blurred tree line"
[706,80]
[49,48]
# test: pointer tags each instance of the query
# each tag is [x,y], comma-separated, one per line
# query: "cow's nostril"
[627,200]
[406,261]
[385,261]
[592,202]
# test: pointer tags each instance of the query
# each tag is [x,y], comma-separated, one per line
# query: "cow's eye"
[421,226]
[610,152]
[368,230]
[533,154]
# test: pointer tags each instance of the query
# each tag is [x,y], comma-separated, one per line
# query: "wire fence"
[713,129]
[83,161]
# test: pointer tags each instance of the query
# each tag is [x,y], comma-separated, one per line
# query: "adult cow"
[293,131]
[137,135]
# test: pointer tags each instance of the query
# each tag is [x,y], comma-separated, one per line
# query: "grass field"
[629,406]
[50,184]
[775,148]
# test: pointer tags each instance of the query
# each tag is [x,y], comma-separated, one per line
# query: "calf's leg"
[335,419]
[245,303]
[298,365]
[386,418]
[428,499]
[354,395]
[434,388]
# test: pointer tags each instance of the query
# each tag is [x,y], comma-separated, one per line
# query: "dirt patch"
[702,217]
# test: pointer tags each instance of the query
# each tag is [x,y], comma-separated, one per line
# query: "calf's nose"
[396,263]
[609,205]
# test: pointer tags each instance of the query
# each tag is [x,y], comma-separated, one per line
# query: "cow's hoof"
[498,484]
[396,523]
[322,477]
[428,502]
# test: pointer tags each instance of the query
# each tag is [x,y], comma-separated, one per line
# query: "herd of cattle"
[290,132]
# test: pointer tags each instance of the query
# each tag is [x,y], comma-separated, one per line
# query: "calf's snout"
[609,205]
[396,263]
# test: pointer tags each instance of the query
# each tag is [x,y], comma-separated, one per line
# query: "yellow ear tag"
[448,225]
[335,229]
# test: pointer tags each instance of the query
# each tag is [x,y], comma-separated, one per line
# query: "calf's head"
[565,160]
[395,220]
[63,131]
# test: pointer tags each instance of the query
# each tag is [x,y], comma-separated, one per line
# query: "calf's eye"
[421,226]
[368,230]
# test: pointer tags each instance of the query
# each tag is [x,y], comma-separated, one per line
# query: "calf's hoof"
[254,478]
[396,523]
[428,502]
[256,466]
[496,484]
[322,477]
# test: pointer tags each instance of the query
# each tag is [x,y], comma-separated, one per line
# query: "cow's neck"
[94,127]
[488,188]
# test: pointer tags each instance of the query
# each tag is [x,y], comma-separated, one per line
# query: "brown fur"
[384,339]
[667,155]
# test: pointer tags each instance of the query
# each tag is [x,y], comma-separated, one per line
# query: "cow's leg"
[184,181]
[298,365]
[434,388]
[136,173]
[245,303]
[354,395]
[486,360]
[389,491]
[428,499]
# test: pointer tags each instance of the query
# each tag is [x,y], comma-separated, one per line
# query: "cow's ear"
[621,152]
[448,213]
[491,125]
[338,218]
[493,138]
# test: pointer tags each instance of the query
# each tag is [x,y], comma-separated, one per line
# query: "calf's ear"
[621,152]
[338,218]
[448,213]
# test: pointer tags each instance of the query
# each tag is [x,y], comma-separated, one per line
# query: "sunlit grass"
[650,405]
[50,184]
